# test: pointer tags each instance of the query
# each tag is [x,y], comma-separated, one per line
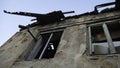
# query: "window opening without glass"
[46,46]
[104,38]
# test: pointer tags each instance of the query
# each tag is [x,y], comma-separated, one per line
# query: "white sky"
[9,23]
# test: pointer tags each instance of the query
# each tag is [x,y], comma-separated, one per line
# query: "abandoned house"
[89,40]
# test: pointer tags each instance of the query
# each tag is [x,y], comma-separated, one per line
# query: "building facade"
[87,41]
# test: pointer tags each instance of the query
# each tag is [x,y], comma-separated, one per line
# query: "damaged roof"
[57,16]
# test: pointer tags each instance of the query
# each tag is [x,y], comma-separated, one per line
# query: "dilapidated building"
[90,40]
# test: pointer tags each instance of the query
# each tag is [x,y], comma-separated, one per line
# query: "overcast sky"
[9,23]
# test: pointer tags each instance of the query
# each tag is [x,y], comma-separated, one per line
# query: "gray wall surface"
[72,49]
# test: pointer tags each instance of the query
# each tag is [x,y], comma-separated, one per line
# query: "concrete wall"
[72,50]
[71,53]
[14,47]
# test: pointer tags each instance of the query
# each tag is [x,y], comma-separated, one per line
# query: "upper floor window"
[46,46]
[104,38]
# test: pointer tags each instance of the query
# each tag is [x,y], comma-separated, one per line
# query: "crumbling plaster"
[72,49]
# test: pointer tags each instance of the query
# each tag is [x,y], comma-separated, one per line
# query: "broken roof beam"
[103,5]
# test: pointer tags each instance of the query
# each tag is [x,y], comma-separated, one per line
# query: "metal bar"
[90,41]
[25,14]
[105,4]
[46,46]
[68,12]
[36,49]
[109,39]
[31,34]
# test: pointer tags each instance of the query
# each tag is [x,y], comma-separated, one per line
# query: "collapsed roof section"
[57,16]
[96,11]
[42,19]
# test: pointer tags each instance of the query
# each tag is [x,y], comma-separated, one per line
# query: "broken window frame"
[46,45]
[107,35]
[37,46]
